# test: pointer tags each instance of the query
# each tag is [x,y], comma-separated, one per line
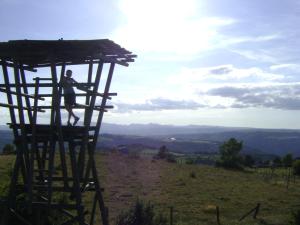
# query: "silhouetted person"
[69,95]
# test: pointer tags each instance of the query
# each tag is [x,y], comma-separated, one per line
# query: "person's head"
[69,73]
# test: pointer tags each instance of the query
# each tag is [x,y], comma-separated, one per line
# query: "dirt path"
[128,178]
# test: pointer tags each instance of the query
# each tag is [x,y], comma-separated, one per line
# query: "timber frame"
[52,158]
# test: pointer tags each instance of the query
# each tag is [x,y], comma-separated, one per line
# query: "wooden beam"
[81,95]
[18,107]
[32,85]
[12,65]
[22,94]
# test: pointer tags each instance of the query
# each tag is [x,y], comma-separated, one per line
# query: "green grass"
[234,192]
[126,178]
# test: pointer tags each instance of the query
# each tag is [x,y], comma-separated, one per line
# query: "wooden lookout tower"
[52,158]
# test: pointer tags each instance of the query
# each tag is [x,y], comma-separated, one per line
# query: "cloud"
[158,104]
[283,96]
[258,55]
[289,66]
[221,70]
[227,73]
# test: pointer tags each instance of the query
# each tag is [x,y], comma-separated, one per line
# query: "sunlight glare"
[169,26]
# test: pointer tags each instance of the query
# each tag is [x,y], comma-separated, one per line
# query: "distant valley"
[191,139]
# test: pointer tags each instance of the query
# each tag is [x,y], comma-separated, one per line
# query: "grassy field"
[194,191]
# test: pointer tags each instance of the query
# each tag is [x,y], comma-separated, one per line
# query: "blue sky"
[209,62]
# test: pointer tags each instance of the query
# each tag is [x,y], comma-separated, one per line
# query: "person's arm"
[74,81]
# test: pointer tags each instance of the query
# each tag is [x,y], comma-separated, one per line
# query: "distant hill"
[191,139]
[6,138]
[152,129]
[194,138]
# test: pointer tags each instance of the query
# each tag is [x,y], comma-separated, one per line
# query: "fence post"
[107,213]
[171,215]
[218,215]
[256,210]
[288,178]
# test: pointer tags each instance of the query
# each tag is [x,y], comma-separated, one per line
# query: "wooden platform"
[44,132]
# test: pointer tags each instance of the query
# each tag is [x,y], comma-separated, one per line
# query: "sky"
[208,62]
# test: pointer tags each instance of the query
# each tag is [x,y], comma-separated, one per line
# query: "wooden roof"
[41,53]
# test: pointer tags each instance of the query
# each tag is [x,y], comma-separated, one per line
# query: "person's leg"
[69,109]
[76,118]
[71,113]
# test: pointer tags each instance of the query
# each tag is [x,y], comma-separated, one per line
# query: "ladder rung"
[43,78]
[41,158]
[41,171]
[68,179]
[55,205]
[56,189]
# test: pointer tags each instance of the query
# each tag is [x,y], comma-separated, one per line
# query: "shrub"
[277,161]
[192,174]
[287,160]
[295,218]
[296,167]
[164,153]
[141,214]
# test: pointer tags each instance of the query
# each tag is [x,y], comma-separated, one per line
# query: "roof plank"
[35,53]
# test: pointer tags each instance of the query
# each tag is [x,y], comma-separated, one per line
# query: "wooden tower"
[54,159]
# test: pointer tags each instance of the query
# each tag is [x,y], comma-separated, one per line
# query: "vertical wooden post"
[9,98]
[88,118]
[103,103]
[89,80]
[24,145]
[98,193]
[83,148]
[76,183]
[34,123]
[27,100]
[53,134]
[11,195]
[58,123]
[92,219]
[93,145]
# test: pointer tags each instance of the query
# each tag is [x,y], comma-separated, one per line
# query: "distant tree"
[162,153]
[249,161]
[8,149]
[287,160]
[266,162]
[296,167]
[277,161]
[230,154]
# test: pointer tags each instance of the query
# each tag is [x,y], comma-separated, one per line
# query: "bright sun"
[169,26]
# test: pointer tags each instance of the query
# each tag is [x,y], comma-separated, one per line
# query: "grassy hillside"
[192,190]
